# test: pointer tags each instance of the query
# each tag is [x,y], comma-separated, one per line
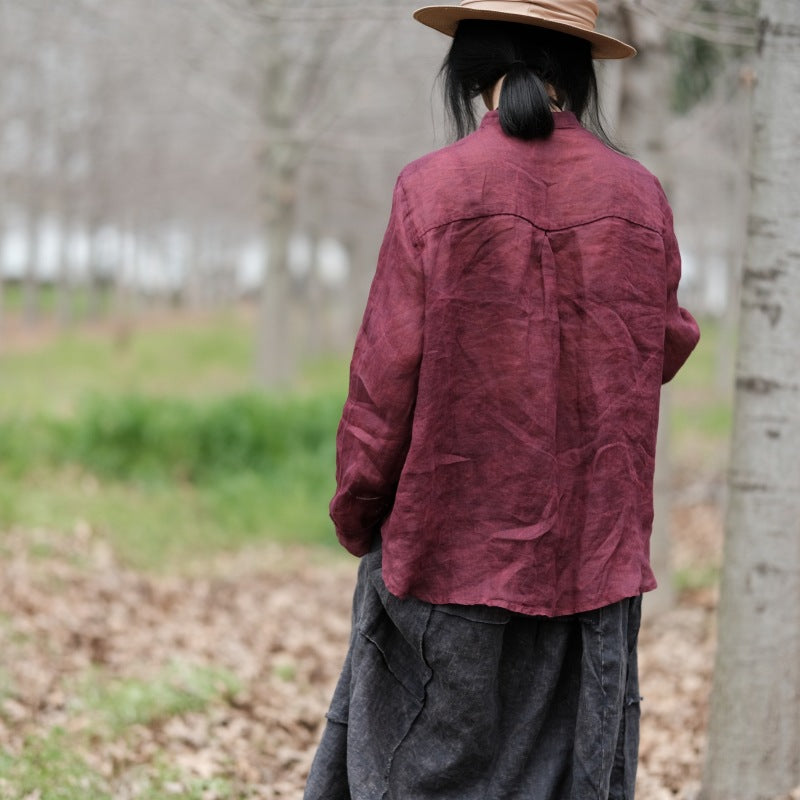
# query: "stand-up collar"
[562,119]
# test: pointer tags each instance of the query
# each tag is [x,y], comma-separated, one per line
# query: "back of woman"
[496,452]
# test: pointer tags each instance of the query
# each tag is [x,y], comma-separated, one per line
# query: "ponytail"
[525,104]
[532,59]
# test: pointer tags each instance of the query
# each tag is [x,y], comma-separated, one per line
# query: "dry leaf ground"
[214,684]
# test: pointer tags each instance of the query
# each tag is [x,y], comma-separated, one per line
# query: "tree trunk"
[313,303]
[93,304]
[275,349]
[125,304]
[63,288]
[31,282]
[754,742]
[729,322]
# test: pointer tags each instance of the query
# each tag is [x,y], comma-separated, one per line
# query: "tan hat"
[576,17]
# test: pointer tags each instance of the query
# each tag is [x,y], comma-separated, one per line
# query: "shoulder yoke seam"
[543,228]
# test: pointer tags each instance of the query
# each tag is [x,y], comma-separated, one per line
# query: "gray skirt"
[451,702]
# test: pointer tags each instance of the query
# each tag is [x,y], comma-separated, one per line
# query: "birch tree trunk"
[729,323]
[313,52]
[754,737]
[31,281]
[63,285]
[275,352]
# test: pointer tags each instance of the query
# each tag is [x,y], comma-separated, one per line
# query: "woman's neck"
[491,97]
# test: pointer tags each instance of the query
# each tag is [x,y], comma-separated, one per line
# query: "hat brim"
[446,18]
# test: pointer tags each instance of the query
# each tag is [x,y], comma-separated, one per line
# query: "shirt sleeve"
[681,332]
[375,430]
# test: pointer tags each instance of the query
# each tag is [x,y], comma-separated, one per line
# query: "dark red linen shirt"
[500,427]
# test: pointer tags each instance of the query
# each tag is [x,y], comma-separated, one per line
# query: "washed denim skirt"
[451,702]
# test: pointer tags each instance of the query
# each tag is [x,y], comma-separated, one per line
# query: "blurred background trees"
[203,153]
[195,153]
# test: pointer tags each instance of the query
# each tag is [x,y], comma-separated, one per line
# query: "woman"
[496,451]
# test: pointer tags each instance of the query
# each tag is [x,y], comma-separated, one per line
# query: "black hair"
[531,58]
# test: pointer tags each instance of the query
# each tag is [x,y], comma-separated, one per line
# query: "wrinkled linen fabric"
[479,703]
[500,427]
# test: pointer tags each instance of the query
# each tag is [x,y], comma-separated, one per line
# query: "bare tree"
[314,67]
[310,56]
[195,122]
[754,748]
[119,119]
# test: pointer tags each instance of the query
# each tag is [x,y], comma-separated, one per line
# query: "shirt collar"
[561,119]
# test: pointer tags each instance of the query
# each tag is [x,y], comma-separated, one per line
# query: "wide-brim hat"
[576,17]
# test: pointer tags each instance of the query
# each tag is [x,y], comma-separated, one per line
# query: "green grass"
[14,297]
[180,689]
[702,576]
[701,413]
[159,525]
[212,358]
[164,446]
[51,765]
[49,768]
[141,438]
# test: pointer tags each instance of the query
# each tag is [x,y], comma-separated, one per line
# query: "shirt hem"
[521,607]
